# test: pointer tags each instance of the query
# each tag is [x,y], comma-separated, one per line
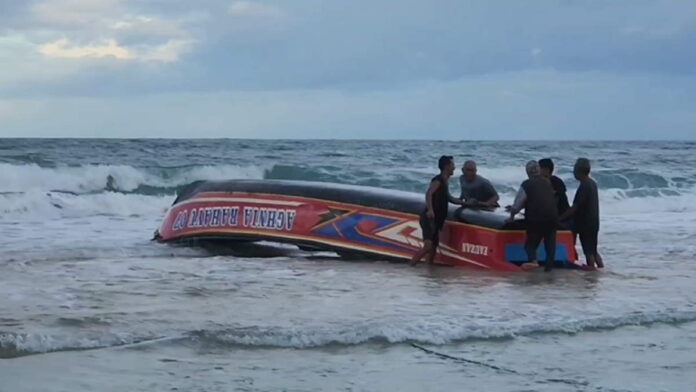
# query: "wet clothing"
[535,233]
[587,201]
[536,196]
[440,198]
[586,217]
[430,231]
[559,188]
[440,201]
[588,240]
[540,203]
[479,188]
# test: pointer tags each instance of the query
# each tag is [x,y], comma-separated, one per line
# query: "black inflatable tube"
[387,199]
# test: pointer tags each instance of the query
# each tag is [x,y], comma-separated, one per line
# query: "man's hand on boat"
[473,203]
[510,218]
[510,210]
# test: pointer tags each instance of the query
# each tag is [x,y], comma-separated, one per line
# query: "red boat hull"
[346,227]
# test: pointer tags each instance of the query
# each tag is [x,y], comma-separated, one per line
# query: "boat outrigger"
[347,219]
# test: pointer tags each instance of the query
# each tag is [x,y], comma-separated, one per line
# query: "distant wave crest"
[123,189]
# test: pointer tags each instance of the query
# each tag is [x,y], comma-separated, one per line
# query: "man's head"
[582,168]
[532,169]
[546,167]
[446,165]
[469,170]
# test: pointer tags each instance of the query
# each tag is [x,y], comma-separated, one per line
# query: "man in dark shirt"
[477,191]
[585,213]
[559,187]
[536,196]
[432,219]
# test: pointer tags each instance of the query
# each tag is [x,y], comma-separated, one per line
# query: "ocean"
[89,303]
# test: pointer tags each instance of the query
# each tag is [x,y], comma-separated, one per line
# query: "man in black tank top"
[432,219]
[537,197]
[559,187]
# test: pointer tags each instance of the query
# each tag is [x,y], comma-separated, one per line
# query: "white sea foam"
[56,204]
[430,331]
[436,331]
[93,178]
[18,344]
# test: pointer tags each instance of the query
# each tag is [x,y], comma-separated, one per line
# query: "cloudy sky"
[441,69]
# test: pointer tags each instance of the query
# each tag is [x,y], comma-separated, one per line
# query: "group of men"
[542,196]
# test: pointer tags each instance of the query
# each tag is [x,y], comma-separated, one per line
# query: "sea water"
[89,303]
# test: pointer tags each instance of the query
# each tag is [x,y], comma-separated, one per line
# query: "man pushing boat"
[536,196]
[477,191]
[432,219]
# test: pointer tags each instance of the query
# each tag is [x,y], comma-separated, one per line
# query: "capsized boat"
[346,218]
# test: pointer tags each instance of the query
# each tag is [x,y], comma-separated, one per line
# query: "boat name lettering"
[209,217]
[254,217]
[180,221]
[269,218]
[474,249]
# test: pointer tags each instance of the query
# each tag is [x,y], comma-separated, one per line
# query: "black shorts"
[588,240]
[431,232]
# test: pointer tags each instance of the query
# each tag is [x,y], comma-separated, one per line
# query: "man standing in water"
[432,219]
[536,196]
[585,212]
[559,187]
[477,192]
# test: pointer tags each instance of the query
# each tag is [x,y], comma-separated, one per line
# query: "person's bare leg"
[431,255]
[427,244]
[417,256]
[530,265]
[532,242]
[598,259]
[550,247]
[591,261]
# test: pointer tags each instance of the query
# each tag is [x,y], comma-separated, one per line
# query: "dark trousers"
[535,233]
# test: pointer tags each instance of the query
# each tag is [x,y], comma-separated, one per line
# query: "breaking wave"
[167,180]
[116,178]
[436,332]
[426,331]
[69,205]
[14,345]
[134,191]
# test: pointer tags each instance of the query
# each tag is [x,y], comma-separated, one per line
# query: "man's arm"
[578,201]
[569,212]
[493,200]
[454,200]
[518,205]
[562,185]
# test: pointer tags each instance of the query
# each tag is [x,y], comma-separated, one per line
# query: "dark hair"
[444,161]
[546,163]
[582,165]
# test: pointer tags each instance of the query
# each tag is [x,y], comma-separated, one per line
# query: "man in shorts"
[536,197]
[432,219]
[585,213]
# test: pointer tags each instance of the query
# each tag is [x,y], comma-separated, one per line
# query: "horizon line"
[336,139]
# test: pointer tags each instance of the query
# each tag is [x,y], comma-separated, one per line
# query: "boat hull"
[346,227]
